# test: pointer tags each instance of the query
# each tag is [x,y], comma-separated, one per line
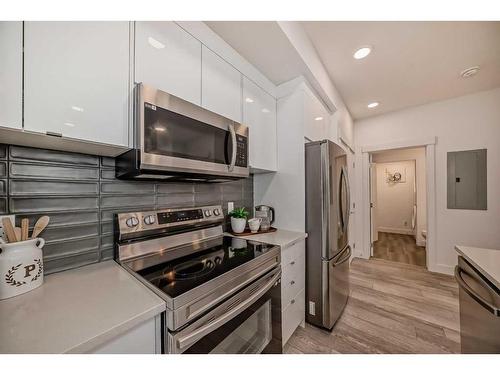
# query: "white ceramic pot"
[21,267]
[238,225]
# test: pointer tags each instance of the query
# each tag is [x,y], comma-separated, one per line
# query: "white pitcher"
[21,267]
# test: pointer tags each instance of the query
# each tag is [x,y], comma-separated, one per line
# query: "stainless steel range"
[223,294]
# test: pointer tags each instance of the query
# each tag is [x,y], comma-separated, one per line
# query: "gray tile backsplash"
[81,195]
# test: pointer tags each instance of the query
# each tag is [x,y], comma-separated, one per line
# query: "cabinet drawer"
[292,316]
[293,280]
[291,253]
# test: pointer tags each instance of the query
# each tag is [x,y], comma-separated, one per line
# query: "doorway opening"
[398,205]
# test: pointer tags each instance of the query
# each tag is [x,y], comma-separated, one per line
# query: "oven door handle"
[234,147]
[183,342]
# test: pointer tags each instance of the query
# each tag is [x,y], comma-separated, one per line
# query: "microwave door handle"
[185,341]
[234,147]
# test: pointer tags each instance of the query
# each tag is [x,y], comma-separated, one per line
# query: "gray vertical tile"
[3,206]
[3,151]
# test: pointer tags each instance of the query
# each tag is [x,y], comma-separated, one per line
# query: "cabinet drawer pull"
[292,301]
[292,262]
[292,282]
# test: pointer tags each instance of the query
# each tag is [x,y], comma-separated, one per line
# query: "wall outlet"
[230,206]
[12,219]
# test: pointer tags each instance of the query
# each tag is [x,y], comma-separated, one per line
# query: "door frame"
[430,163]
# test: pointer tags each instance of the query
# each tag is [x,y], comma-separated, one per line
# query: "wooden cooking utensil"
[25,223]
[8,228]
[40,225]
[17,231]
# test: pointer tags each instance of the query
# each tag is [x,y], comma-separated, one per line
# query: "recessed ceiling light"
[70,124]
[319,118]
[155,43]
[160,128]
[265,110]
[469,72]
[249,100]
[362,52]
[373,105]
[75,108]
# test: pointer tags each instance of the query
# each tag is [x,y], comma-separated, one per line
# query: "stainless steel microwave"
[178,140]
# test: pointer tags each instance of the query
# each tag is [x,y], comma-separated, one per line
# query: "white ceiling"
[264,45]
[412,63]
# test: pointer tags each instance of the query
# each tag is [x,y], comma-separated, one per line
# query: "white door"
[11,74]
[76,80]
[169,59]
[220,86]
[259,114]
[373,204]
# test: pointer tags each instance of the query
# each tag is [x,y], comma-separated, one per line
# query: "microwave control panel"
[241,151]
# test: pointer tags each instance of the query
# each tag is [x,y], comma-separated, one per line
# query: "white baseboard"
[395,230]
[442,268]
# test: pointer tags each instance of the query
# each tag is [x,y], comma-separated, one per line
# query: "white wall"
[395,200]
[417,154]
[464,123]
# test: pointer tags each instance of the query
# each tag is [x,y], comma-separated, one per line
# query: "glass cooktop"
[183,274]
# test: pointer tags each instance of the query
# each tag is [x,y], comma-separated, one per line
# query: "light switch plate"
[230,206]
[12,219]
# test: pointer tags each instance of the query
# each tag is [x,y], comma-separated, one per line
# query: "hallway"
[399,248]
[393,308]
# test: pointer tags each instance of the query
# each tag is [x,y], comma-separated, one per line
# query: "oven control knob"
[209,264]
[150,219]
[218,260]
[216,212]
[132,222]
[208,213]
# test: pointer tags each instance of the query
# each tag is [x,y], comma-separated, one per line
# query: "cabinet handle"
[292,282]
[292,301]
[292,262]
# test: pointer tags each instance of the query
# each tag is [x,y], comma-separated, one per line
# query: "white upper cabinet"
[169,59]
[11,74]
[317,119]
[259,114]
[76,80]
[220,86]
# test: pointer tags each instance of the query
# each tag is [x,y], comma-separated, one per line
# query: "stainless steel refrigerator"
[327,223]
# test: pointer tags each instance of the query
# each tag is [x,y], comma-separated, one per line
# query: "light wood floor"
[393,308]
[399,248]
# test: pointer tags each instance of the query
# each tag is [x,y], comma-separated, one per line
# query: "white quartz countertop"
[75,311]
[281,237]
[486,261]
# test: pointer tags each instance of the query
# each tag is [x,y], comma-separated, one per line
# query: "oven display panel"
[179,216]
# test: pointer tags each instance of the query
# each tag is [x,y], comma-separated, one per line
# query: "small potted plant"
[238,219]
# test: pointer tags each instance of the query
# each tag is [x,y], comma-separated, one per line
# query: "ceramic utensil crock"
[21,267]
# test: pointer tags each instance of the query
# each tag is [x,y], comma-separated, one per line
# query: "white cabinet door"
[76,80]
[142,339]
[220,86]
[316,119]
[11,74]
[169,59]
[259,114]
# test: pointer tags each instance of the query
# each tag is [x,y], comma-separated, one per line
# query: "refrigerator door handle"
[462,284]
[348,194]
[344,258]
